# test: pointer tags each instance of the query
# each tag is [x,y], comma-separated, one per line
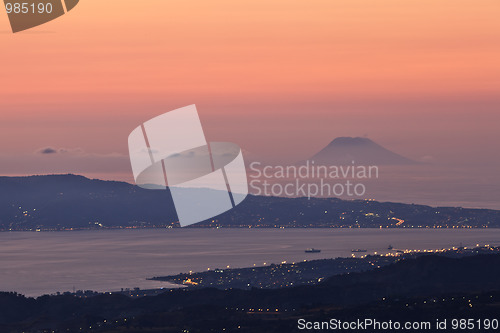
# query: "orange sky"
[420,77]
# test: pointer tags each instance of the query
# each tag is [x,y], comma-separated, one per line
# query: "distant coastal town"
[71,202]
[282,275]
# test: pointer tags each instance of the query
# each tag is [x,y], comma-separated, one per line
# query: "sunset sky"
[280,78]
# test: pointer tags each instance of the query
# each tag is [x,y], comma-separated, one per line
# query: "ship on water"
[312,250]
[358,250]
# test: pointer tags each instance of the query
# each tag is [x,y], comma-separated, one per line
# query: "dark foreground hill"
[424,289]
[70,201]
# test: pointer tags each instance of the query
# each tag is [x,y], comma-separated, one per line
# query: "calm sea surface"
[36,263]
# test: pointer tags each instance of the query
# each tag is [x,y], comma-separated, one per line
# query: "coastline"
[307,272]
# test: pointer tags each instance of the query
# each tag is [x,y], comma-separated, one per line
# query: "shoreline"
[311,271]
[244,227]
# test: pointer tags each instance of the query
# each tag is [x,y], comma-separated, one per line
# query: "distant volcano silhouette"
[363,151]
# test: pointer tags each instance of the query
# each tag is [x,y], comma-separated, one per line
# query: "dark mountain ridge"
[70,201]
